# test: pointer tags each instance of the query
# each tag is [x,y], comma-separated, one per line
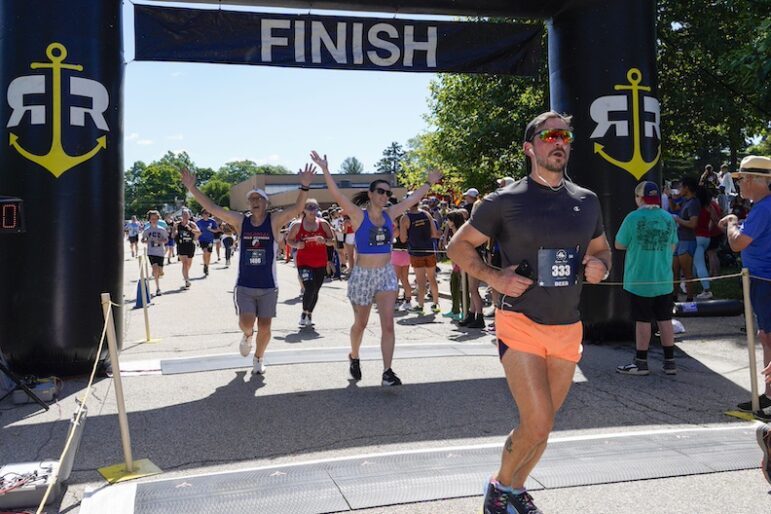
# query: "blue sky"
[270,115]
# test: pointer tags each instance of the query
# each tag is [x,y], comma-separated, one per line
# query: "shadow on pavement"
[237,423]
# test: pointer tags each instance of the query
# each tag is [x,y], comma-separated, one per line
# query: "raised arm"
[394,211]
[353,210]
[232,217]
[282,218]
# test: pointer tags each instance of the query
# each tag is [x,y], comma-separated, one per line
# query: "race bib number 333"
[558,267]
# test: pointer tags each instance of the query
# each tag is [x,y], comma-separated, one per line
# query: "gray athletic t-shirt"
[689,209]
[156,239]
[531,222]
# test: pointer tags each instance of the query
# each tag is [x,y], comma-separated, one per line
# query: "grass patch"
[728,288]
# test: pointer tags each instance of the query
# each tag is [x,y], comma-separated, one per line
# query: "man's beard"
[544,163]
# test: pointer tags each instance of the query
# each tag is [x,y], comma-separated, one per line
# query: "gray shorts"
[365,283]
[261,302]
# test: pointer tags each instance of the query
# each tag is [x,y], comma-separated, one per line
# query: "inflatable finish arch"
[62,78]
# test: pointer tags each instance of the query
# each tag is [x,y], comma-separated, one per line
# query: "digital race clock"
[11,215]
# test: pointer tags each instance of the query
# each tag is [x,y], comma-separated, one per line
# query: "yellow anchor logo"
[57,161]
[637,165]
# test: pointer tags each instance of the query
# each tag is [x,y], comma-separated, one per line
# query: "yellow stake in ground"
[57,161]
[637,166]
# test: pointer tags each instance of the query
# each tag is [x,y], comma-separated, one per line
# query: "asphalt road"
[225,419]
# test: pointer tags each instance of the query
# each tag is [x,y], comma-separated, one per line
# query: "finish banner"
[352,43]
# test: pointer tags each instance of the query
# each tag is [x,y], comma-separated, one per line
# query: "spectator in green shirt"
[649,235]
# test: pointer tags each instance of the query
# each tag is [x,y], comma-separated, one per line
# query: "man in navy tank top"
[256,292]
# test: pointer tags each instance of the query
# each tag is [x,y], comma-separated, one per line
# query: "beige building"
[283,189]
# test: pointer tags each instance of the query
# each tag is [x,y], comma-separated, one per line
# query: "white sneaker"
[245,346]
[405,306]
[704,295]
[258,366]
[302,323]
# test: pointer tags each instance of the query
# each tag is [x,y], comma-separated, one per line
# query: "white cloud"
[177,74]
[131,137]
[144,141]
[176,137]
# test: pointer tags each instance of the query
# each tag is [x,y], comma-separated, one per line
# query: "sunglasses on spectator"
[381,191]
[552,135]
[311,207]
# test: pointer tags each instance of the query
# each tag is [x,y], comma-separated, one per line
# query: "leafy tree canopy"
[391,162]
[352,166]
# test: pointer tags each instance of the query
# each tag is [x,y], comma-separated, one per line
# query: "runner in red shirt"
[310,235]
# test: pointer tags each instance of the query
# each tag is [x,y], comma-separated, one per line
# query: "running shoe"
[302,322]
[354,368]
[704,295]
[390,378]
[763,433]
[763,401]
[405,306]
[245,346]
[187,284]
[669,368]
[436,309]
[477,322]
[258,366]
[457,317]
[638,367]
[468,319]
[158,292]
[418,309]
[449,314]
[490,328]
[503,500]
[309,322]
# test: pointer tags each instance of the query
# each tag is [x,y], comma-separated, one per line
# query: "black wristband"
[304,188]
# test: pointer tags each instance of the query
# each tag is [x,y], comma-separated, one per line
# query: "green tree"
[714,72]
[479,123]
[157,186]
[762,147]
[204,175]
[133,178]
[352,166]
[237,171]
[391,161]
[215,189]
[273,169]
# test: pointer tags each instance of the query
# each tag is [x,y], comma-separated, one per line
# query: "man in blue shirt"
[752,237]
[133,228]
[649,236]
[208,228]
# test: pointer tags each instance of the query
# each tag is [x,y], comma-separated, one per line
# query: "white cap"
[472,191]
[258,191]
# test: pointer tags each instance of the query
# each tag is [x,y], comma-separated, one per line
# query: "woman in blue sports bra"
[373,279]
